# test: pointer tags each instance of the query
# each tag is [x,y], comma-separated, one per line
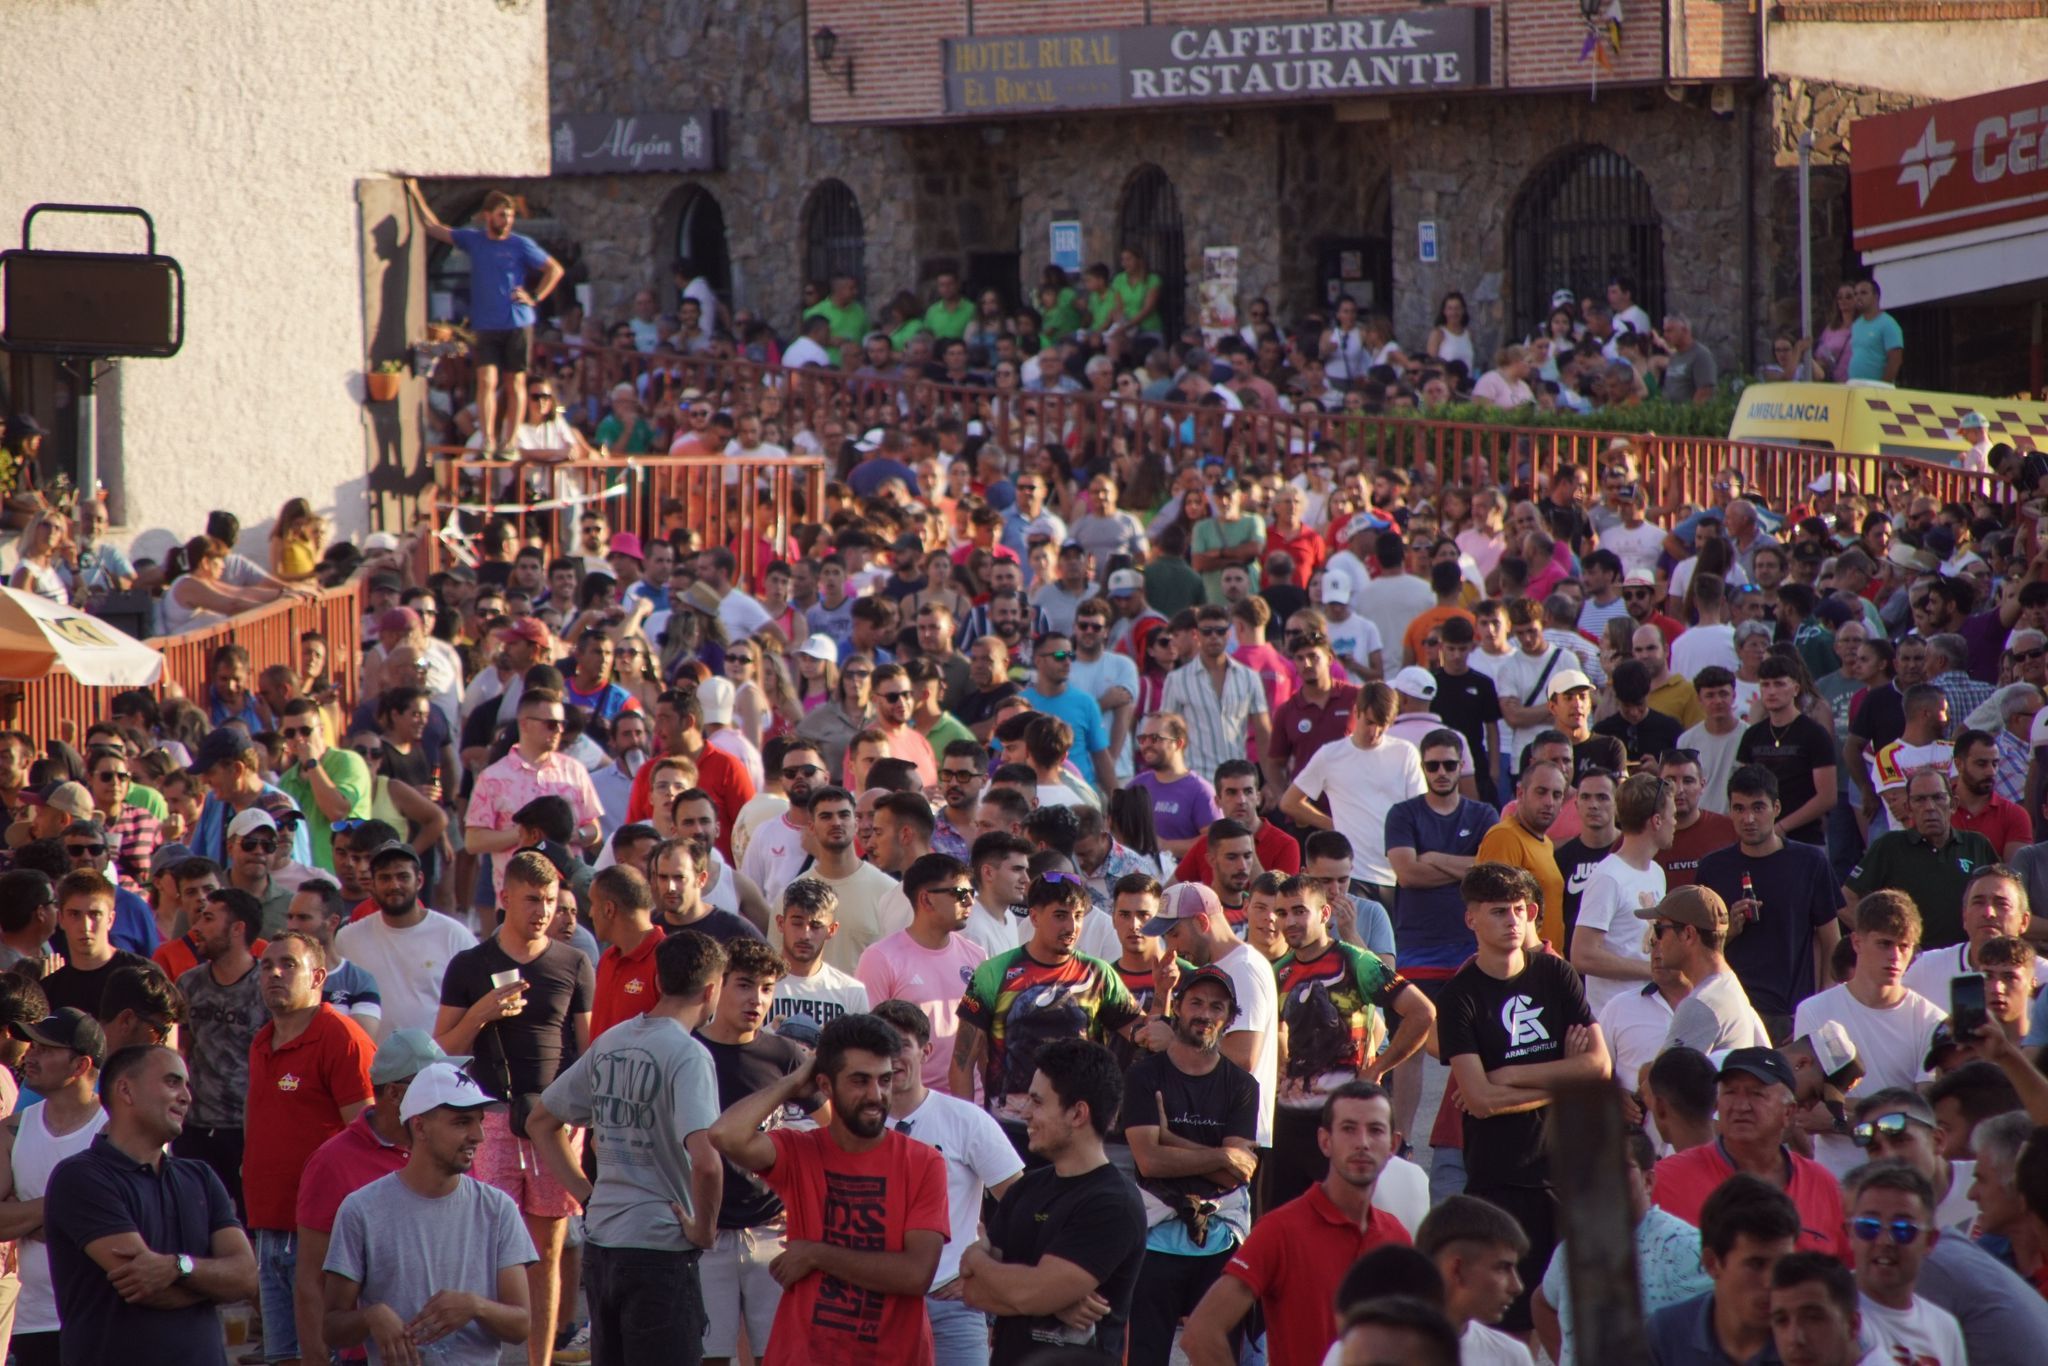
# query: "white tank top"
[723,894]
[37,1152]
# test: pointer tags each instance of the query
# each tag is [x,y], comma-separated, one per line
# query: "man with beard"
[533,994]
[1182,801]
[988,685]
[1019,1002]
[143,1244]
[461,1293]
[681,868]
[1195,1159]
[1329,991]
[776,854]
[1231,869]
[866,1205]
[862,888]
[309,1077]
[1061,1261]
[1593,803]
[405,946]
[1696,832]
[225,1009]
[62,1065]
[1297,1256]
[1522,840]
[963,769]
[1239,794]
[928,962]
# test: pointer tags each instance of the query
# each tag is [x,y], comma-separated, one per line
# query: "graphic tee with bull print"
[1520,1019]
[1022,1005]
[1331,1006]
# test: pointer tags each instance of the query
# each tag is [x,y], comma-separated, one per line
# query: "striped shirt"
[1218,723]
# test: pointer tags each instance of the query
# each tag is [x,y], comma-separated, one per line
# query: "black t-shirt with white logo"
[1576,860]
[1517,1021]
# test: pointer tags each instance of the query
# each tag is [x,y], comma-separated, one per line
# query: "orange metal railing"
[1677,469]
[45,707]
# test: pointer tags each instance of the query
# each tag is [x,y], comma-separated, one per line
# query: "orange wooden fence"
[270,634]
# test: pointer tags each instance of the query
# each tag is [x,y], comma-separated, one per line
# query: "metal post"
[83,434]
[1805,236]
[1586,1158]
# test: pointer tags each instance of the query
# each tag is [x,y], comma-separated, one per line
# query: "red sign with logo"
[1950,168]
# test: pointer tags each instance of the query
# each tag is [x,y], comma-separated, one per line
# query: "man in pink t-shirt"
[929,963]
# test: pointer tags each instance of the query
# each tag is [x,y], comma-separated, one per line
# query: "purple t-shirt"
[1181,809]
[1985,634]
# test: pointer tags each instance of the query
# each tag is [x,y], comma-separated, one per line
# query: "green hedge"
[1661,416]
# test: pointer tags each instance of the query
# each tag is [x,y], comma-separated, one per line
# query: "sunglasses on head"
[1887,1126]
[1868,1227]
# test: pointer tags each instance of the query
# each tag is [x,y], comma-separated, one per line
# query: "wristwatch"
[184,1266]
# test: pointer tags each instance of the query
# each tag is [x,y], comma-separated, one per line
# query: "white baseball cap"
[1639,578]
[715,695]
[820,646]
[1336,588]
[442,1084]
[1416,682]
[1566,680]
[255,818]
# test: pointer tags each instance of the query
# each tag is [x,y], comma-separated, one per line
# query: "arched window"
[700,238]
[1583,218]
[1149,222]
[835,243]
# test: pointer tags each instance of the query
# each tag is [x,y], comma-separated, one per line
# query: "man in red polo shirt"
[371,1147]
[679,729]
[1752,1101]
[1297,1255]
[1317,713]
[622,916]
[309,1076]
[1237,797]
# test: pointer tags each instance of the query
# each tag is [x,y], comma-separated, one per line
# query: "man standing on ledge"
[501,308]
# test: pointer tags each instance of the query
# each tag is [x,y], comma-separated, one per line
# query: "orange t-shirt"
[1411,639]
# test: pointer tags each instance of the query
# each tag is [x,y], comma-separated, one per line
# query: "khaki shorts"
[737,1287]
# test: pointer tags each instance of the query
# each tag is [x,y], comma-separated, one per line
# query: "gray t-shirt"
[221,1022]
[1689,371]
[1716,1015]
[643,1088]
[402,1248]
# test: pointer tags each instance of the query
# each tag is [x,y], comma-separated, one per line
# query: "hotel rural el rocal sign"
[1413,52]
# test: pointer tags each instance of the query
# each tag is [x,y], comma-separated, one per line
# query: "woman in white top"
[42,569]
[1346,354]
[1451,338]
[1381,348]
[198,597]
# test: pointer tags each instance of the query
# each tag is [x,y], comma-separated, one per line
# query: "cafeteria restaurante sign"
[1414,52]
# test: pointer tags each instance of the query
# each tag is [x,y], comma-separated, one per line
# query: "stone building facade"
[1706,139]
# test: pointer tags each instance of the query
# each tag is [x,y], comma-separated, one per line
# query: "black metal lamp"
[824,43]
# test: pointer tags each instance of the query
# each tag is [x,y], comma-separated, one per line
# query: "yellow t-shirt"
[1676,698]
[1511,843]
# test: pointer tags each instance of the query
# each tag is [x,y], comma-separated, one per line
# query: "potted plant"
[383,382]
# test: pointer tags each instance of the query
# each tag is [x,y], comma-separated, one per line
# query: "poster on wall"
[1217,311]
[1066,244]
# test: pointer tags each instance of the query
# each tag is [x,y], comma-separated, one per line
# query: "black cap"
[219,746]
[69,1028]
[399,848]
[1765,1064]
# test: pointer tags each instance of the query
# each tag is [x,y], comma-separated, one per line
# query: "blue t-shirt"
[606,703]
[867,478]
[1429,922]
[1079,710]
[1869,340]
[349,986]
[497,266]
[134,927]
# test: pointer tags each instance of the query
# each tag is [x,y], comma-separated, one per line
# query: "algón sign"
[1413,52]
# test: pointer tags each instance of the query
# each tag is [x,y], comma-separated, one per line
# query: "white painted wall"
[243,126]
[1944,61]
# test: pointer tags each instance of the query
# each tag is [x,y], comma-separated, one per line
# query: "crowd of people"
[1026,923]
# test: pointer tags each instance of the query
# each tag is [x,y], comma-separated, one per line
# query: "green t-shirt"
[1214,534]
[948,323]
[906,334]
[1172,586]
[640,442]
[346,769]
[1132,293]
[149,799]
[848,324]
[1099,306]
[1063,318]
[944,732]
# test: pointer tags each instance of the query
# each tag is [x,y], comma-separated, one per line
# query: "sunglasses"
[960,895]
[794,771]
[1214,630]
[1439,765]
[902,696]
[259,844]
[1060,656]
[1658,928]
[1634,593]
[2026,656]
[85,850]
[1887,1126]
[857,674]
[552,723]
[958,775]
[115,775]
[1080,625]
[1868,1227]
[296,732]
